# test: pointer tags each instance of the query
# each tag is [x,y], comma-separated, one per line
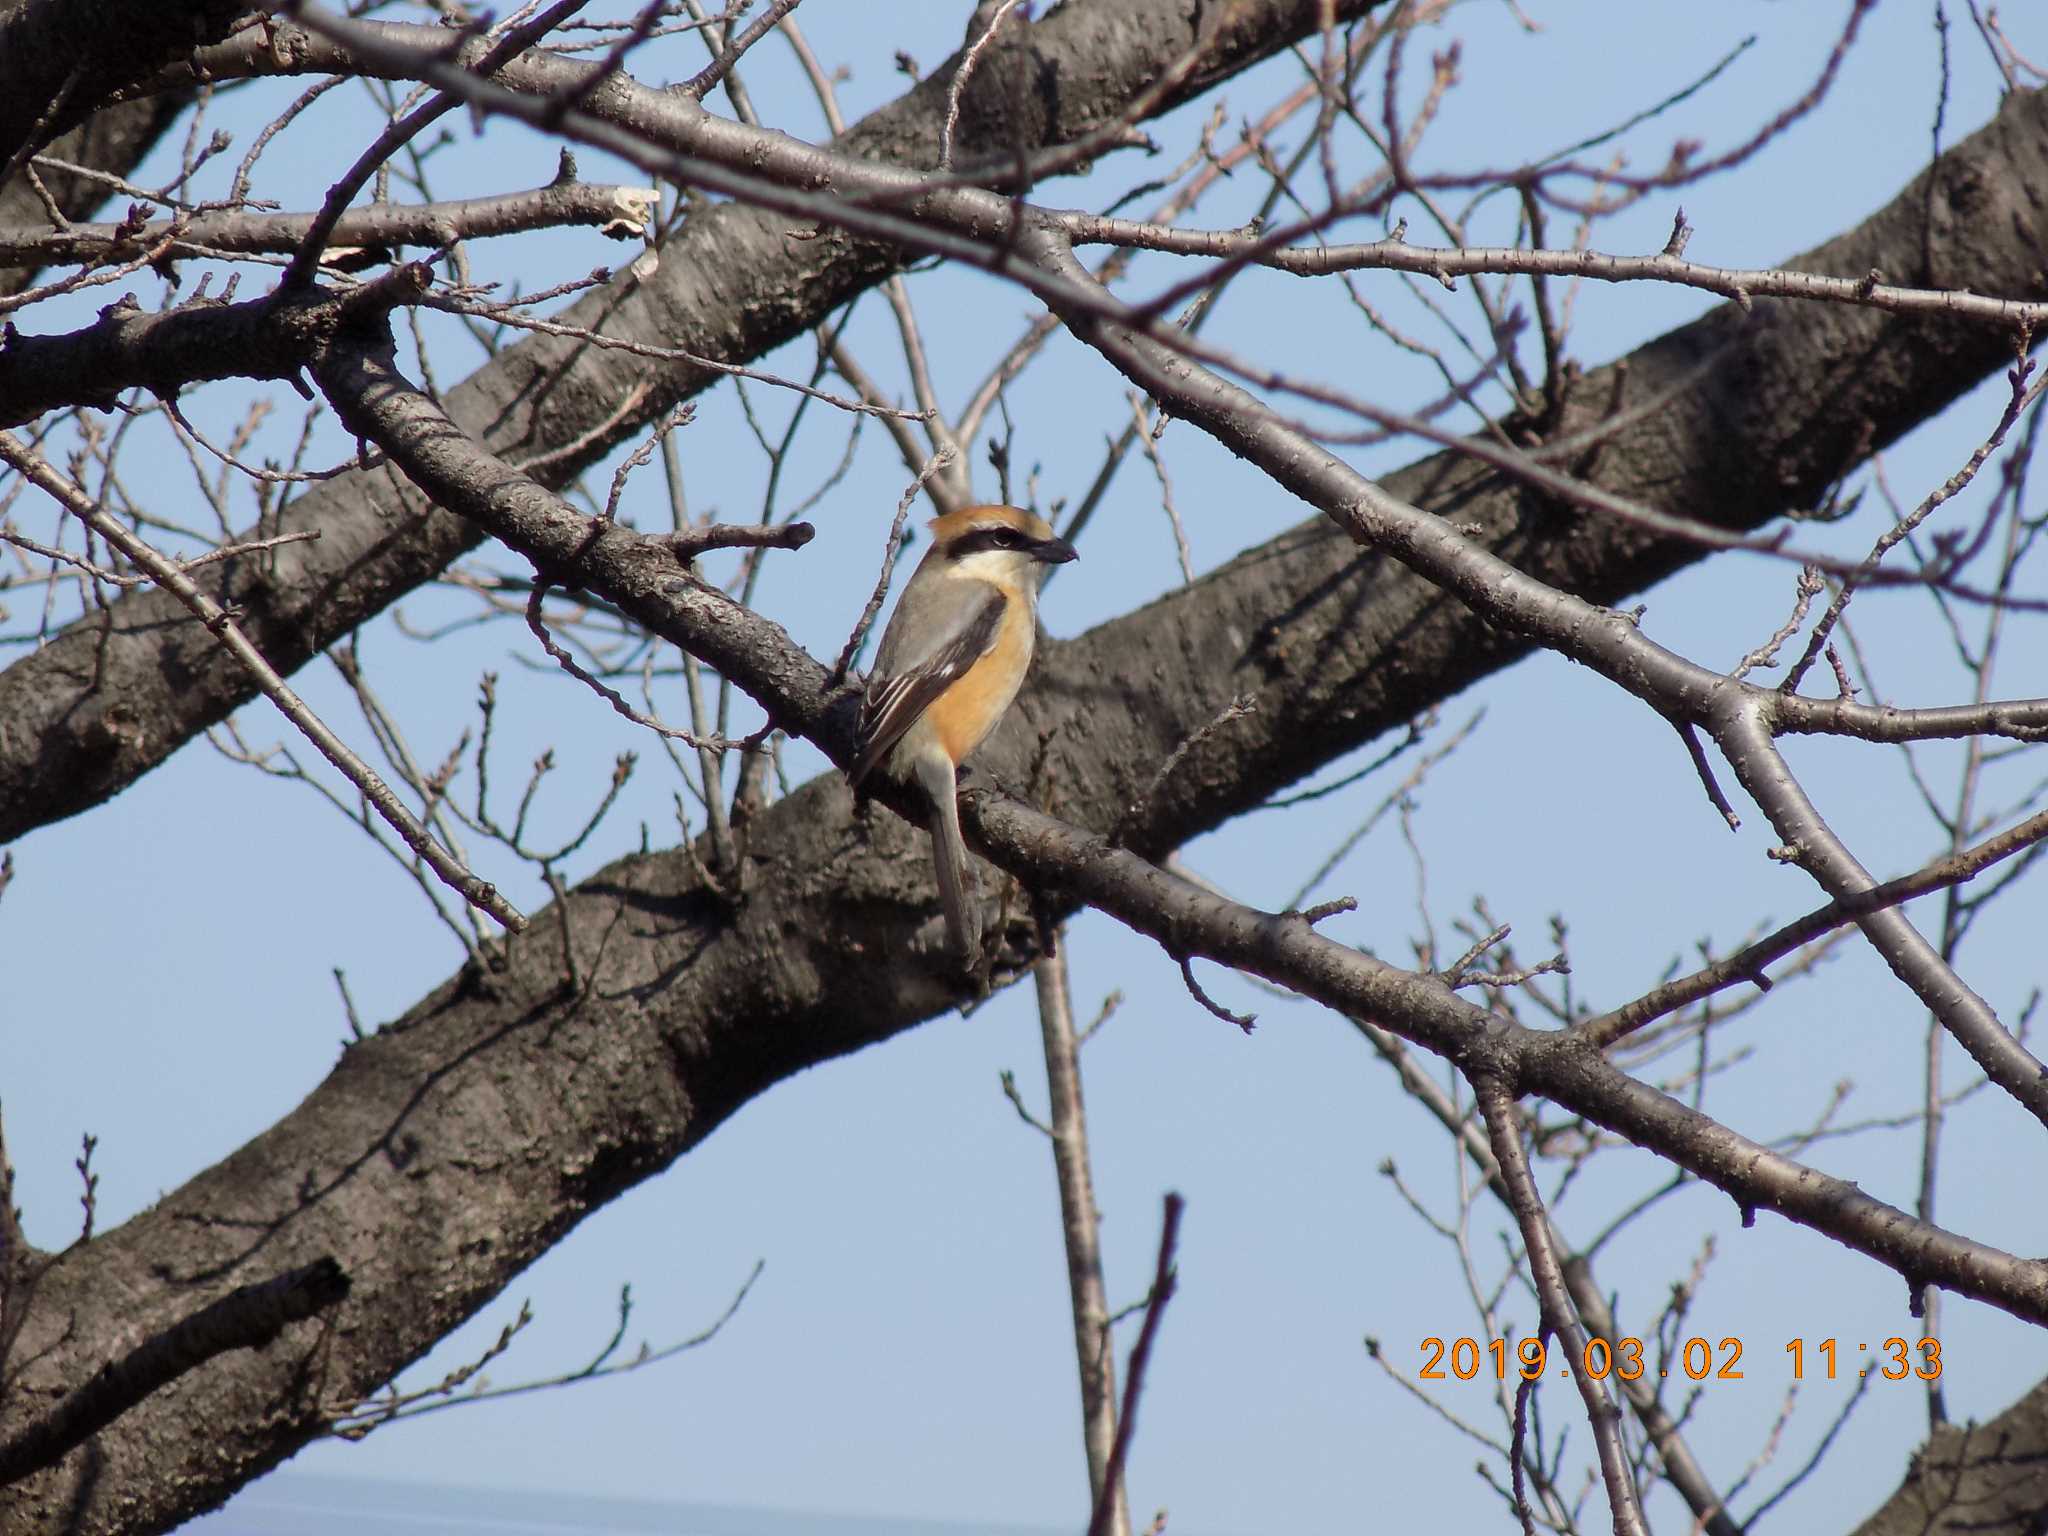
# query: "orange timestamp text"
[1697,1359]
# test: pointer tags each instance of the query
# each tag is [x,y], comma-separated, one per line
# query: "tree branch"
[1560,1317]
[472,1136]
[250,1317]
[730,286]
[620,211]
[176,580]
[628,570]
[273,337]
[61,60]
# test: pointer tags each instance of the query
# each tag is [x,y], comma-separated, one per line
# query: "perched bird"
[953,657]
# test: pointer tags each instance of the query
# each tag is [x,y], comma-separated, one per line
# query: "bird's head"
[998,544]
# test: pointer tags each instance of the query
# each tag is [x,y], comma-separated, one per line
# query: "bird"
[951,661]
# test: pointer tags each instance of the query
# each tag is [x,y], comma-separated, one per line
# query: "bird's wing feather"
[960,619]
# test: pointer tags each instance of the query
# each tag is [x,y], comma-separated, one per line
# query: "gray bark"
[730,287]
[1986,1479]
[62,60]
[113,140]
[452,1148]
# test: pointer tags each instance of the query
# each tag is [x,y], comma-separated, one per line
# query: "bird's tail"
[959,895]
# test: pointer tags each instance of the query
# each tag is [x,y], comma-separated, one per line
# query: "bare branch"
[1748,963]
[480,894]
[621,212]
[931,468]
[1445,264]
[1134,814]
[319,235]
[700,84]
[962,73]
[1080,1228]
[1560,1317]
[1164,1279]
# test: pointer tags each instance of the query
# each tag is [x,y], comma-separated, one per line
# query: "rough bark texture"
[115,141]
[449,1150]
[60,60]
[1975,1479]
[112,140]
[129,347]
[730,286]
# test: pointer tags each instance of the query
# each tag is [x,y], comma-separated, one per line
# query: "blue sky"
[165,960]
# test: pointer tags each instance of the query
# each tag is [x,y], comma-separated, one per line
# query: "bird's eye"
[987,537]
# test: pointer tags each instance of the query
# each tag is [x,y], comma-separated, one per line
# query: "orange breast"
[965,713]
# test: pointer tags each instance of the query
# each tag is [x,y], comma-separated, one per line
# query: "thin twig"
[1134,813]
[1560,1317]
[537,622]
[932,466]
[1244,1021]
[700,84]
[962,74]
[479,893]
[1080,1222]
[1164,1280]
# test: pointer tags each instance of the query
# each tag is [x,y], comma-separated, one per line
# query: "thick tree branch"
[705,1048]
[730,286]
[250,1317]
[1988,1479]
[130,348]
[631,571]
[640,576]
[114,140]
[481,1128]
[61,60]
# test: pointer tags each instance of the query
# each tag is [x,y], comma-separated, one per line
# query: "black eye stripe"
[980,539]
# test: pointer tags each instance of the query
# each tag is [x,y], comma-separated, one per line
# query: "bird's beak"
[1054,551]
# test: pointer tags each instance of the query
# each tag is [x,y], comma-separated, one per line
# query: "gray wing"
[956,622]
